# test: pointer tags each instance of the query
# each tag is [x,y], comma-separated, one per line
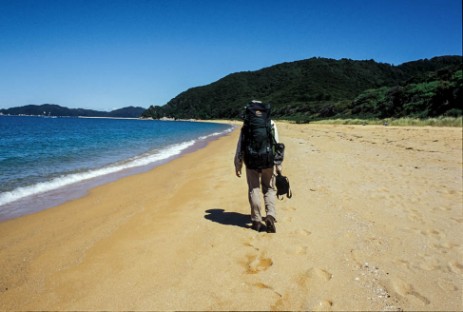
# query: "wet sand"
[375,223]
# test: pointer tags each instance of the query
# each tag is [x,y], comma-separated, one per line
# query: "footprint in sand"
[455,267]
[445,247]
[428,263]
[313,275]
[404,289]
[404,263]
[415,217]
[297,250]
[288,219]
[319,274]
[311,278]
[437,234]
[288,208]
[301,232]
[265,286]
[446,285]
[257,263]
[250,243]
[323,305]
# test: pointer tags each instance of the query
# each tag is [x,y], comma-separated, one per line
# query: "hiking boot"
[256,226]
[270,222]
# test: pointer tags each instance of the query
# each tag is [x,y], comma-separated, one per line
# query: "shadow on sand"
[228,218]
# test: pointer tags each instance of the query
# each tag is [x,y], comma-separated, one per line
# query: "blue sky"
[102,54]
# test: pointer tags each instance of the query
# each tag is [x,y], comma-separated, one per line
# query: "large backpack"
[258,141]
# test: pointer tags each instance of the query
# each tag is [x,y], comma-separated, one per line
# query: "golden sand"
[375,223]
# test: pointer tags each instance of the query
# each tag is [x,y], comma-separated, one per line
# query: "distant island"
[60,111]
[322,88]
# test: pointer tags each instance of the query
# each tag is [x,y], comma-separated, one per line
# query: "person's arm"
[239,156]
[278,168]
[275,131]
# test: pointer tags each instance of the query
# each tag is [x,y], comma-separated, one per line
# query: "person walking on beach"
[255,147]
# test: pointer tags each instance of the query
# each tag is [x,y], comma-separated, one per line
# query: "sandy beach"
[375,223]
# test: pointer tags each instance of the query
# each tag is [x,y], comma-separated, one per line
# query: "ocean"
[47,161]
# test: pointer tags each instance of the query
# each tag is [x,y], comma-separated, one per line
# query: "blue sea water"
[43,159]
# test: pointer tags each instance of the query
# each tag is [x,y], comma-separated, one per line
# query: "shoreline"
[374,224]
[42,200]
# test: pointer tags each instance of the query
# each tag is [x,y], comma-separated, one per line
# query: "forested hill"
[56,110]
[326,88]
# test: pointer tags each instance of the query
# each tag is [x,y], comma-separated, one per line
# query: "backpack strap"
[289,194]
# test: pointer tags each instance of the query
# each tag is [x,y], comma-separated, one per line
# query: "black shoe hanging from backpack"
[283,188]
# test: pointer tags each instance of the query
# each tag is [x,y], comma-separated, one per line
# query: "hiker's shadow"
[228,218]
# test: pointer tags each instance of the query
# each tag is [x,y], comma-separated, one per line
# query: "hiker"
[258,136]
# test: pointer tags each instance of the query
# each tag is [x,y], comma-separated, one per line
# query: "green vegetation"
[438,122]
[436,94]
[320,88]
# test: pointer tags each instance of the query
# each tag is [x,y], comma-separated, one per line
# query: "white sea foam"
[138,161]
[22,192]
[216,133]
